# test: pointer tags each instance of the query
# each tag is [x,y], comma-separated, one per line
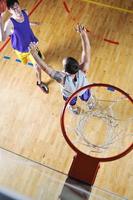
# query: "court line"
[109,6]
[99,37]
[4,45]
[32,161]
[32,10]
[17,60]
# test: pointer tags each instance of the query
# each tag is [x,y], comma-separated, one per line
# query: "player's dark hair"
[10,3]
[71,65]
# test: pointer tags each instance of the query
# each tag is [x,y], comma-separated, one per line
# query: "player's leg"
[40,84]
[72,105]
[37,68]
[88,97]
[25,57]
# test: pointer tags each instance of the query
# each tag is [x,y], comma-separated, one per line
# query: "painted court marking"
[17,60]
[109,6]
[68,10]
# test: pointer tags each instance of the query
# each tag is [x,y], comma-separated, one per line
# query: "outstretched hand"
[80,28]
[35,23]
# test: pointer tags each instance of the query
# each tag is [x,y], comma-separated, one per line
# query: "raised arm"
[56,75]
[5,30]
[86,50]
[1,29]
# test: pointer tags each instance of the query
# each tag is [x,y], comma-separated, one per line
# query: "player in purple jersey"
[19,29]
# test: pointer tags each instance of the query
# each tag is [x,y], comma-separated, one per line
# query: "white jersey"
[70,86]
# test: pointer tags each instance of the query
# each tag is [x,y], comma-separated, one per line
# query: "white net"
[104,126]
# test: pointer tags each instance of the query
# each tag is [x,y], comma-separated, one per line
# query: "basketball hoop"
[103,130]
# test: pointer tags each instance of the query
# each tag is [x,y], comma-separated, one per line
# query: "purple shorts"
[85,96]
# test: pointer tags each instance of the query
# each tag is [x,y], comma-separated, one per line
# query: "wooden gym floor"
[30,119]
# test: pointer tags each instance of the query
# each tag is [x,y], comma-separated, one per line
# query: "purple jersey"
[22,35]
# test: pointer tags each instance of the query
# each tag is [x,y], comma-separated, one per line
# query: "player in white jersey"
[74,75]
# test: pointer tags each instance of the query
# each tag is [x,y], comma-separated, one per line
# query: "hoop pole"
[84,169]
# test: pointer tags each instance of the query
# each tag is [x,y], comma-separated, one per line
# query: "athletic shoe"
[43,87]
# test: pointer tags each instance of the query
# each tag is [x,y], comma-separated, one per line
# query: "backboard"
[34,181]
